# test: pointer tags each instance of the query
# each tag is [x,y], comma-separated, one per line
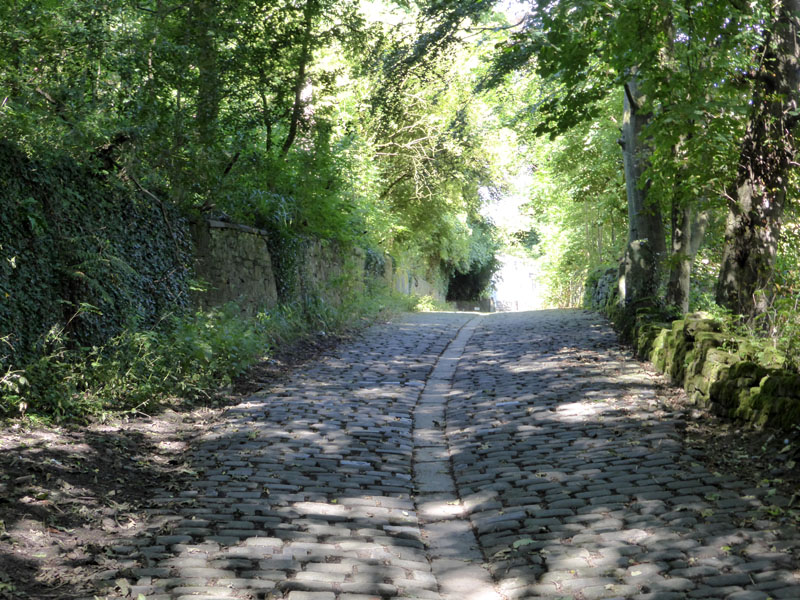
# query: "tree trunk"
[755,207]
[203,19]
[688,231]
[640,271]
[300,80]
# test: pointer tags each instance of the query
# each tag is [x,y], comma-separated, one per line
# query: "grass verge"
[187,356]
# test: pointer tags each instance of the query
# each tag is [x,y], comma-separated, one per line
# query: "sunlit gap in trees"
[517,283]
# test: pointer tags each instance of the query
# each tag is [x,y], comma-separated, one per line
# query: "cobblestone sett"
[299,595]
[748,595]
[537,428]
[418,595]
[609,591]
[201,596]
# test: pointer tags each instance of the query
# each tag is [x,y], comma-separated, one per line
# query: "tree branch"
[59,106]
[402,177]
[163,213]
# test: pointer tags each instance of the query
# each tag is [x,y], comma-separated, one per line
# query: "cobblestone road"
[461,457]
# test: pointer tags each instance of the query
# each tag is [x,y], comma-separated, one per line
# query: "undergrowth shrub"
[186,354]
[83,253]
[425,303]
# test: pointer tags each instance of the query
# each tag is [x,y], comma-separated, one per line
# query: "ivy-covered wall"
[84,255]
[82,252]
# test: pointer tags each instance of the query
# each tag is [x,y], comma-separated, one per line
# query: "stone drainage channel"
[456,559]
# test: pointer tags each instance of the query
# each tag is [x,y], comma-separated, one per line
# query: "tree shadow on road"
[571,471]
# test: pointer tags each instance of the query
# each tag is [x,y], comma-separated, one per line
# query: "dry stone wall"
[407,281]
[741,378]
[330,271]
[235,263]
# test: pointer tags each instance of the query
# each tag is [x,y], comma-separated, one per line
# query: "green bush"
[186,354]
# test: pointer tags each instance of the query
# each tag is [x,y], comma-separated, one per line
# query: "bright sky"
[506,212]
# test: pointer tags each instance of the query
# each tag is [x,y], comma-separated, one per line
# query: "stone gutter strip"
[456,559]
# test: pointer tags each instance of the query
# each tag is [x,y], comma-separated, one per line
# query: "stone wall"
[742,378]
[407,281]
[483,305]
[234,262]
[330,271]
[602,288]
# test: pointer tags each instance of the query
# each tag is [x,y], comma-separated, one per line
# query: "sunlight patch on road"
[578,411]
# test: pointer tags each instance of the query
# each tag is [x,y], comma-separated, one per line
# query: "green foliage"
[185,354]
[257,111]
[690,62]
[433,139]
[263,111]
[82,254]
[425,304]
[778,327]
[474,281]
[578,205]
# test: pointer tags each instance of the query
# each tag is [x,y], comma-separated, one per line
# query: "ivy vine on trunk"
[756,205]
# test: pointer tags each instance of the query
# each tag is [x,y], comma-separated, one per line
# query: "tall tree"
[681,65]
[641,267]
[203,21]
[583,50]
[757,201]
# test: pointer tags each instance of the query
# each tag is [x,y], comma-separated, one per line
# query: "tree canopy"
[387,125]
[710,95]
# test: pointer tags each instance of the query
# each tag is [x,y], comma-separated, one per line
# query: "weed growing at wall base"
[187,355]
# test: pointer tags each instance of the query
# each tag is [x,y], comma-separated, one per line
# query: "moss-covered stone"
[770,357]
[697,357]
[714,370]
[646,336]
[783,413]
[677,347]
[763,408]
[781,383]
[703,343]
[748,370]
[658,354]
[728,393]
[696,323]
[739,377]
